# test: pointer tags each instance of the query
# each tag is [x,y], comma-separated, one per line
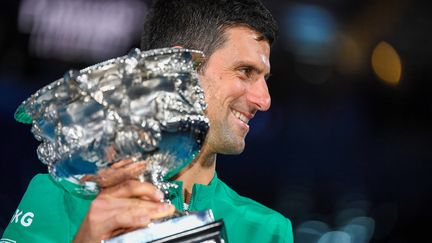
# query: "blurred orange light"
[386,63]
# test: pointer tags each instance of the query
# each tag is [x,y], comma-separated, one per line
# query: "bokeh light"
[361,229]
[386,63]
[335,236]
[310,231]
[81,30]
[351,223]
[310,32]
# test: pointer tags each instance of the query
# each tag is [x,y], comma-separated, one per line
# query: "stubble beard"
[225,140]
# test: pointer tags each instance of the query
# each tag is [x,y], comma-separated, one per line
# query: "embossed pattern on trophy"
[140,106]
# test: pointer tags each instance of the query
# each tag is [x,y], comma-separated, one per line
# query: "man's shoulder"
[42,194]
[41,188]
[246,215]
[42,182]
[249,206]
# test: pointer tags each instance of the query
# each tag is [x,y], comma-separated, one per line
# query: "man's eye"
[246,71]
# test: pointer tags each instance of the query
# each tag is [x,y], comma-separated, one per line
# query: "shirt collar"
[200,193]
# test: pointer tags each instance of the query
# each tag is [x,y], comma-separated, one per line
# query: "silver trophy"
[145,106]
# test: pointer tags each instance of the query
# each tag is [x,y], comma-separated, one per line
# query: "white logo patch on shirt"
[23,218]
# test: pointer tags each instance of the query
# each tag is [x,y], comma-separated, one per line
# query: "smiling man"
[236,36]
[234,81]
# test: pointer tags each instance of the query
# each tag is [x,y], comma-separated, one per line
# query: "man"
[236,38]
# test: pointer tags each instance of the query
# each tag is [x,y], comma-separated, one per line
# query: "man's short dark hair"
[200,24]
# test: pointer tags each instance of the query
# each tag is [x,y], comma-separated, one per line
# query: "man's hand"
[124,204]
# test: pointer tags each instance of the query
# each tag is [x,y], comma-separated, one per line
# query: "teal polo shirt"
[48,213]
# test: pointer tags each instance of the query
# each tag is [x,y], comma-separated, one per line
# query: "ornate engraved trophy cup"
[142,106]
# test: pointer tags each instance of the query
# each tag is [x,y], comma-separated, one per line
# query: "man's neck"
[199,171]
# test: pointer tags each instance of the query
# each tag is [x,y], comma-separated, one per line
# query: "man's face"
[234,82]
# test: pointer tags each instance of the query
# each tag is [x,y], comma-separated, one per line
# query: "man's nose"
[259,95]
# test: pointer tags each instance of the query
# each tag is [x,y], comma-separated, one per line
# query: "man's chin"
[234,150]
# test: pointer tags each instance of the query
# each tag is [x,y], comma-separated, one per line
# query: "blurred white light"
[360,229]
[82,30]
[345,215]
[350,224]
[313,227]
[335,237]
[310,231]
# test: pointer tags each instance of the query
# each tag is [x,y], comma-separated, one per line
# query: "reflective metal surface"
[144,106]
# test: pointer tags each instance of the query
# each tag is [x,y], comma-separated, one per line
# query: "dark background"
[344,152]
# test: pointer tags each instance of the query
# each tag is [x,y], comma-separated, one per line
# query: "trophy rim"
[21,115]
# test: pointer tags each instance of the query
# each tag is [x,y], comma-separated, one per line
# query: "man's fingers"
[121,208]
[112,176]
[126,205]
[134,188]
[164,211]
[122,163]
[133,213]
[153,210]
[118,223]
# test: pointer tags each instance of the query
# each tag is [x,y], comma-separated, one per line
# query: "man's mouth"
[240,116]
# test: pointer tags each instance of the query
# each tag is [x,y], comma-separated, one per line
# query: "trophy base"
[192,228]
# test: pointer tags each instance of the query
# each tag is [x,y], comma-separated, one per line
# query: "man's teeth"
[240,116]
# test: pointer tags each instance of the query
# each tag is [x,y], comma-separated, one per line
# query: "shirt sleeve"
[289,238]
[279,230]
[39,216]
